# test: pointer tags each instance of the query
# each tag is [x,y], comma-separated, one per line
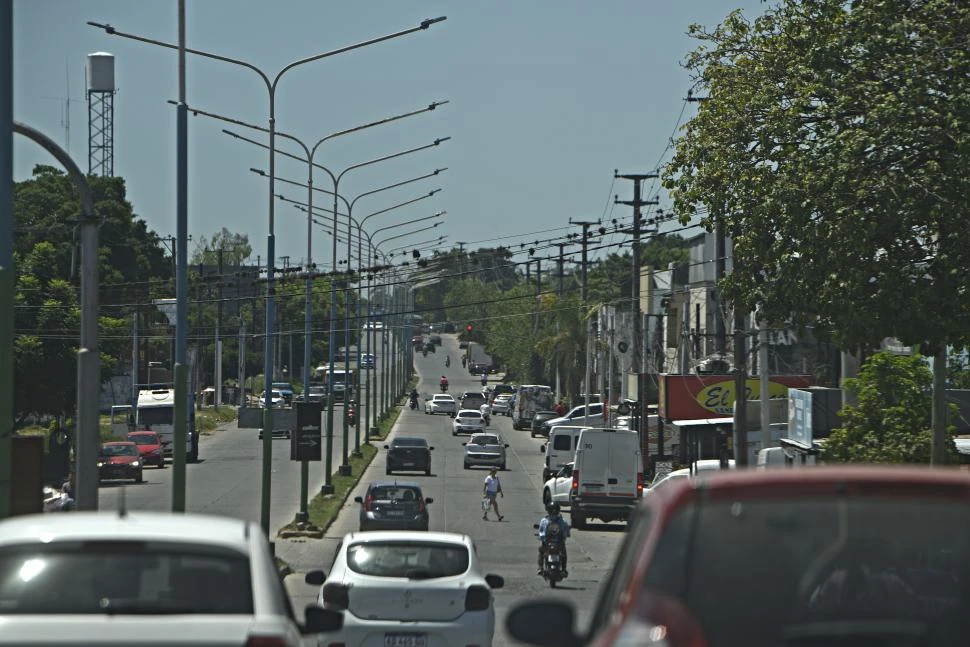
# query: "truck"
[338,381]
[155,411]
[530,398]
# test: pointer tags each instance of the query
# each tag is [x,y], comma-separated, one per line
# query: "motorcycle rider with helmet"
[553,529]
[414,398]
[443,383]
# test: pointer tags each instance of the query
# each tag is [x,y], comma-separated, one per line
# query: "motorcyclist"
[443,383]
[414,398]
[484,378]
[447,360]
[553,529]
[486,410]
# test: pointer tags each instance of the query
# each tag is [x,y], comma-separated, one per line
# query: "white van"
[560,449]
[771,457]
[607,476]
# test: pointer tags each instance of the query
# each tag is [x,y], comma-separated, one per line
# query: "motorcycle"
[552,570]
[447,361]
[414,403]
[444,386]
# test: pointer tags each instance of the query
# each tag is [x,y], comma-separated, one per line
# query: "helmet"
[553,508]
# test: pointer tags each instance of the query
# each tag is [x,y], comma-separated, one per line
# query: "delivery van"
[607,476]
[560,449]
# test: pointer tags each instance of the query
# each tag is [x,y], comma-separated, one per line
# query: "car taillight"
[420,505]
[477,598]
[575,484]
[639,484]
[266,641]
[367,502]
[336,595]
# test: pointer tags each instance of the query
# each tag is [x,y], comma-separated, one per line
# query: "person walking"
[560,408]
[490,492]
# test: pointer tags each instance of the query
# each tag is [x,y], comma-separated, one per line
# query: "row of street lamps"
[271,84]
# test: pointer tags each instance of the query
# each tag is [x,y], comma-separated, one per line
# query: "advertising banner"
[689,397]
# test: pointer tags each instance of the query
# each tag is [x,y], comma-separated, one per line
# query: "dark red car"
[120,461]
[149,447]
[835,556]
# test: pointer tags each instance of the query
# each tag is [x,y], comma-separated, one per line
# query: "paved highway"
[508,548]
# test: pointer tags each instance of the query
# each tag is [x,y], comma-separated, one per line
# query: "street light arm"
[151,41]
[198,111]
[411,222]
[392,156]
[427,22]
[394,186]
[400,204]
[430,242]
[379,122]
[409,233]
[283,198]
[278,152]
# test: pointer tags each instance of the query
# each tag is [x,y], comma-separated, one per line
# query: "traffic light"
[468,328]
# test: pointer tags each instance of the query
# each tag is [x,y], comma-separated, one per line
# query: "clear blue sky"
[546,100]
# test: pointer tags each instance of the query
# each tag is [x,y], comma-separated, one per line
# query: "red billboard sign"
[689,397]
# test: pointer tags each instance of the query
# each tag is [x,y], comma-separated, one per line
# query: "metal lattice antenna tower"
[101,91]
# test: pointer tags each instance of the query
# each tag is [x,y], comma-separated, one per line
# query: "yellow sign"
[719,397]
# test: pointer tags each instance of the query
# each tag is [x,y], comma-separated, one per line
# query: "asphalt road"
[507,548]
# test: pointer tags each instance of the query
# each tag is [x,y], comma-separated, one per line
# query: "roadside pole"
[6,253]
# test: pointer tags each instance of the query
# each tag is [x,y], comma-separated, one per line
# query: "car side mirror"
[428,500]
[463,444]
[387,446]
[535,526]
[315,577]
[546,623]
[430,448]
[542,449]
[506,444]
[319,620]
[494,581]
[358,499]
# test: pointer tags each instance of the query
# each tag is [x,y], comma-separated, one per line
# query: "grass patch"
[209,418]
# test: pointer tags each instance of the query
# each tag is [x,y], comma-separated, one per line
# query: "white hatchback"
[440,403]
[408,589]
[485,449]
[100,578]
[468,421]
[558,487]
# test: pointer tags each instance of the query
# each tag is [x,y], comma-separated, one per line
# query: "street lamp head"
[107,28]
[433,191]
[439,170]
[440,140]
[258,171]
[427,22]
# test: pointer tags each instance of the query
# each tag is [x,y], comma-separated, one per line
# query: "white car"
[502,404]
[275,397]
[485,449]
[557,488]
[400,588]
[702,468]
[468,421]
[440,403]
[104,578]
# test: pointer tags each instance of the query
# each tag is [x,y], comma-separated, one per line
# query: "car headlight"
[100,463]
[136,464]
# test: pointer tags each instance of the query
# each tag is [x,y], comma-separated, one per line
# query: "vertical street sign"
[306,441]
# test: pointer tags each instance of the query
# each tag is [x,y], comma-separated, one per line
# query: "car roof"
[393,483]
[409,438]
[145,526]
[475,411]
[852,480]
[141,432]
[408,535]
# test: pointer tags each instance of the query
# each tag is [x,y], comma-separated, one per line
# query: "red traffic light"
[468,328]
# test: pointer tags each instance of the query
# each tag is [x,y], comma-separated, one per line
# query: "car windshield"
[144,439]
[119,450]
[411,559]
[395,493]
[409,442]
[817,570]
[470,415]
[123,577]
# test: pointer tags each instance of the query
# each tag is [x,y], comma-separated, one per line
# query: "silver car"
[502,404]
[485,449]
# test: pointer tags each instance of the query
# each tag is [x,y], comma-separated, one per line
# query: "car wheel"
[546,497]
[388,470]
[427,472]
[577,520]
[467,466]
[139,477]
[532,433]
[503,467]
[161,464]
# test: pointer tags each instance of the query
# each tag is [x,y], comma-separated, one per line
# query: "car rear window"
[413,559]
[470,414]
[123,578]
[816,571]
[409,442]
[485,440]
[395,493]
[562,442]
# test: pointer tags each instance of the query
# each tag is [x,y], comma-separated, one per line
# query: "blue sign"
[800,417]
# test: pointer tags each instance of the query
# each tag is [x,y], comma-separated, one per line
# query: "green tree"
[891,423]
[833,146]
[235,247]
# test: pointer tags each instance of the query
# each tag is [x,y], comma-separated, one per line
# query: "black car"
[477,368]
[397,505]
[539,428]
[430,347]
[408,454]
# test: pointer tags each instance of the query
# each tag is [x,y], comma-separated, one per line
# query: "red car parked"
[835,556]
[149,447]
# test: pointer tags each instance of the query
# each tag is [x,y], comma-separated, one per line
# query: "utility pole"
[218,371]
[585,298]
[636,203]
[740,388]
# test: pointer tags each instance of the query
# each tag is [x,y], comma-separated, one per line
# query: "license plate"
[408,464]
[395,513]
[554,558]
[405,640]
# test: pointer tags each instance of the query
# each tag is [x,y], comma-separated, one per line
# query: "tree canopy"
[833,145]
